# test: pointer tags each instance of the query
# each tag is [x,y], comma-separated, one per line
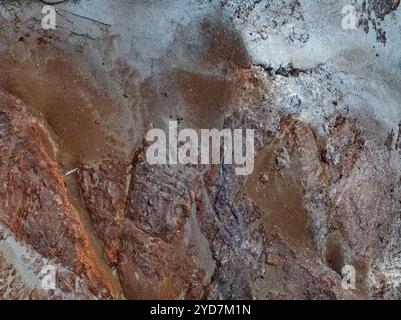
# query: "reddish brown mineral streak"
[35,203]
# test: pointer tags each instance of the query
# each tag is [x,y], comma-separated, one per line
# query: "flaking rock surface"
[76,190]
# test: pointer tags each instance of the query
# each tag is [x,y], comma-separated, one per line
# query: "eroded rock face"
[35,205]
[77,193]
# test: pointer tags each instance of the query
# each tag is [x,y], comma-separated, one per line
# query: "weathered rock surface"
[77,193]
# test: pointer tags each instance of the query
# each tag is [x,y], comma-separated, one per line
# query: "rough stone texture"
[325,192]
